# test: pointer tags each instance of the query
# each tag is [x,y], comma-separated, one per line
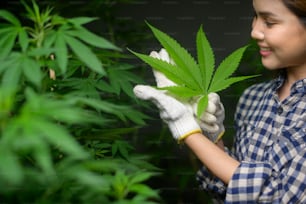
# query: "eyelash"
[269,24]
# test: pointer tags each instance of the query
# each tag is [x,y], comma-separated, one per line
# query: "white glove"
[211,121]
[179,118]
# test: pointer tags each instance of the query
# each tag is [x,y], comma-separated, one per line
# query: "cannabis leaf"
[195,79]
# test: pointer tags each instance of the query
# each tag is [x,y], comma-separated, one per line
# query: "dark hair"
[298,7]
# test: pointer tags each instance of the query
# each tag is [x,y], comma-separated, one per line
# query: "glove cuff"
[181,139]
[183,126]
[215,137]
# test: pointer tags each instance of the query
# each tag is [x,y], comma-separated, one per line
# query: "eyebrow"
[265,14]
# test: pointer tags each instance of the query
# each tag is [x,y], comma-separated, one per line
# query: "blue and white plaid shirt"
[271,146]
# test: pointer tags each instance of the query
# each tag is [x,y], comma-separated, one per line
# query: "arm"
[221,164]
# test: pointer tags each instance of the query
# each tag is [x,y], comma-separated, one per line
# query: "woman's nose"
[257,31]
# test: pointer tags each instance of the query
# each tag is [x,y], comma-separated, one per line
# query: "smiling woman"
[272,28]
[268,161]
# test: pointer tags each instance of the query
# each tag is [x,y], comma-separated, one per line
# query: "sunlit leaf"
[192,79]
[202,104]
[228,66]
[180,56]
[206,58]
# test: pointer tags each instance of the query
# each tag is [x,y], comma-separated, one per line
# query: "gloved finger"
[164,55]
[161,80]
[208,118]
[211,128]
[214,98]
[210,109]
[170,107]
[220,110]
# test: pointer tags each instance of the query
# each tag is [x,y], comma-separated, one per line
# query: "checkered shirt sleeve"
[270,144]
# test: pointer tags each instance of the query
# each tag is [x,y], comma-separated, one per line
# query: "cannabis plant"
[61,120]
[194,79]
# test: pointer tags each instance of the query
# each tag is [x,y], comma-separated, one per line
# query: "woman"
[268,163]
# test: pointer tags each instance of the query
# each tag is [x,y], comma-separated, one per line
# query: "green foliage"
[195,78]
[61,120]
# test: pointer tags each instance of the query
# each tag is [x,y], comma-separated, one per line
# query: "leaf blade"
[172,72]
[228,66]
[221,85]
[206,58]
[180,56]
[85,54]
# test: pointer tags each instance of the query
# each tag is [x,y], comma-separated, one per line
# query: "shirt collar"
[298,87]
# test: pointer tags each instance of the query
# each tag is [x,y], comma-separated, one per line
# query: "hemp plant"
[195,79]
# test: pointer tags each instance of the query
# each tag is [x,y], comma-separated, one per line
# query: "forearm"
[213,157]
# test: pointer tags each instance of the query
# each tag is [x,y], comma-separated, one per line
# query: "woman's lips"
[264,52]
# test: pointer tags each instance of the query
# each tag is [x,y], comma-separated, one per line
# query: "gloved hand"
[179,117]
[211,121]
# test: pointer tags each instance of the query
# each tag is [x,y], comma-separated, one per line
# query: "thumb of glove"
[179,118]
[167,105]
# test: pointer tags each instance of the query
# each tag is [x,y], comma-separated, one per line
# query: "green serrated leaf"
[202,104]
[180,56]
[221,85]
[206,58]
[172,72]
[195,79]
[227,66]
[181,91]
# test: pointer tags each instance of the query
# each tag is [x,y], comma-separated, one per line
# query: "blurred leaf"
[9,17]
[144,190]
[61,52]
[31,70]
[140,177]
[7,42]
[93,39]
[81,20]
[85,54]
[121,78]
[122,148]
[10,168]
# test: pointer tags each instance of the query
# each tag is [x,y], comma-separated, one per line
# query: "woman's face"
[280,35]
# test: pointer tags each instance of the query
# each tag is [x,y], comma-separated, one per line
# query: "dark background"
[227,25]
